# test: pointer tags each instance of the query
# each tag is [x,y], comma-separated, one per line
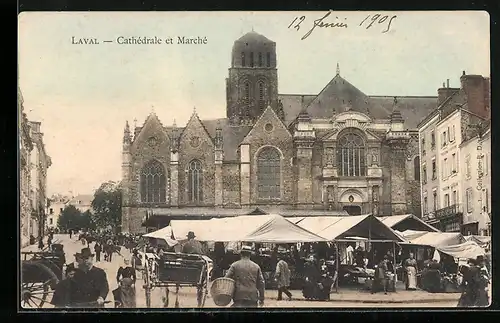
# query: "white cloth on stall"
[436,256]
[350,255]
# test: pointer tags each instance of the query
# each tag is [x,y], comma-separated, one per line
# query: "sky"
[84,94]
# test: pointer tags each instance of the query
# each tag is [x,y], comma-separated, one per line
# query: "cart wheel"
[38,281]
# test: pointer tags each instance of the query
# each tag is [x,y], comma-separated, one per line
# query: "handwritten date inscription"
[367,23]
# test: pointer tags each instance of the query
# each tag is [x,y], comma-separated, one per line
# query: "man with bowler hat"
[249,282]
[90,284]
[192,246]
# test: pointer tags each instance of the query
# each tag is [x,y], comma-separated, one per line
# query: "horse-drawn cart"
[40,273]
[176,270]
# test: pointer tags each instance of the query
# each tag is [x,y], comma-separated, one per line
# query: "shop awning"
[164,234]
[433,239]
[406,222]
[340,227]
[466,250]
[480,240]
[279,230]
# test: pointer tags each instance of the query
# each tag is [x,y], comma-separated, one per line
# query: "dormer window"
[251,59]
[260,60]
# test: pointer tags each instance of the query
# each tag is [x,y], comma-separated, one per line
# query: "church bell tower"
[252,84]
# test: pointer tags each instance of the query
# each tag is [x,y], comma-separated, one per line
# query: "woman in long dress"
[411,273]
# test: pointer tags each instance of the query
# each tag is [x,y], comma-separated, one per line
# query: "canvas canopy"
[341,227]
[480,240]
[280,230]
[433,239]
[270,228]
[406,222]
[164,234]
[466,250]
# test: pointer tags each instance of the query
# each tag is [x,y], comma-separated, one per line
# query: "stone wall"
[231,184]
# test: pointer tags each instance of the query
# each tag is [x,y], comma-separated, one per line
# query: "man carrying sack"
[249,282]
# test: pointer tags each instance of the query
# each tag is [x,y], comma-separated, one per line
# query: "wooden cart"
[40,273]
[176,270]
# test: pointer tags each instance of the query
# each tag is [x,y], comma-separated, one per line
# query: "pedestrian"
[124,295]
[380,279]
[90,284]
[70,233]
[282,276]
[483,282]
[97,249]
[83,286]
[126,271]
[40,243]
[249,281]
[410,267]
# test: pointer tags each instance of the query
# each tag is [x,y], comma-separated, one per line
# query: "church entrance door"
[353,209]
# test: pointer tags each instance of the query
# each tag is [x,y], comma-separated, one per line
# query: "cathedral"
[337,152]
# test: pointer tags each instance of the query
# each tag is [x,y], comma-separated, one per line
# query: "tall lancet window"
[262,90]
[195,182]
[269,174]
[351,155]
[246,90]
[153,183]
[243,59]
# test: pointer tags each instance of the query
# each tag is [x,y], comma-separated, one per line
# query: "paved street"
[187,296]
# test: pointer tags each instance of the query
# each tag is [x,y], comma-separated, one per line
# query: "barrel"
[222,290]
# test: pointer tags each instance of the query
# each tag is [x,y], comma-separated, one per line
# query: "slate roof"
[333,99]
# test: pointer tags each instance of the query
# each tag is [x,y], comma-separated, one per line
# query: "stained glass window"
[195,181]
[269,174]
[153,183]
[351,155]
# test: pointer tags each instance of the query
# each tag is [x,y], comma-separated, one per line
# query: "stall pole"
[336,276]
[394,264]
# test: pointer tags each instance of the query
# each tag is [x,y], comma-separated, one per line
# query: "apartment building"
[441,133]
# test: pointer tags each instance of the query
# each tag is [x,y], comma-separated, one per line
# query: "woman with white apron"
[411,273]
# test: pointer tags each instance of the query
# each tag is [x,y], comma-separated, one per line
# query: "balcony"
[448,211]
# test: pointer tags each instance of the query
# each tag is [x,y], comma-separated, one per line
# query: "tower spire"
[338,69]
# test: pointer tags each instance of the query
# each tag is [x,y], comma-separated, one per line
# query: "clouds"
[84,94]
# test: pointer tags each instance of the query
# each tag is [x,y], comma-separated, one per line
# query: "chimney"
[476,90]
[445,92]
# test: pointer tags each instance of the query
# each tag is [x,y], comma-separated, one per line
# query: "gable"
[262,130]
[195,133]
[152,128]
[336,97]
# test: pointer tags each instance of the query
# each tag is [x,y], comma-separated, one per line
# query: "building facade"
[25,150]
[55,208]
[476,182]
[339,150]
[39,164]
[441,134]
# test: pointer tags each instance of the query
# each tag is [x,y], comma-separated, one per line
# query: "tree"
[69,218]
[107,206]
[72,218]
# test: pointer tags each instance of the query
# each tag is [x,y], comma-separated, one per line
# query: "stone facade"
[40,163]
[338,150]
[25,149]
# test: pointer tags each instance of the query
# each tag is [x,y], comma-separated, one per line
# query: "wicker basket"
[222,290]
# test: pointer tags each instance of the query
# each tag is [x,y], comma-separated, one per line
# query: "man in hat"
[90,284]
[249,281]
[192,246]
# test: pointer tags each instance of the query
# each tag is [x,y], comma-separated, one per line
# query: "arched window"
[243,61]
[351,155]
[195,182]
[251,59]
[153,183]
[262,90]
[260,60]
[416,168]
[269,174]
[268,59]
[246,90]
